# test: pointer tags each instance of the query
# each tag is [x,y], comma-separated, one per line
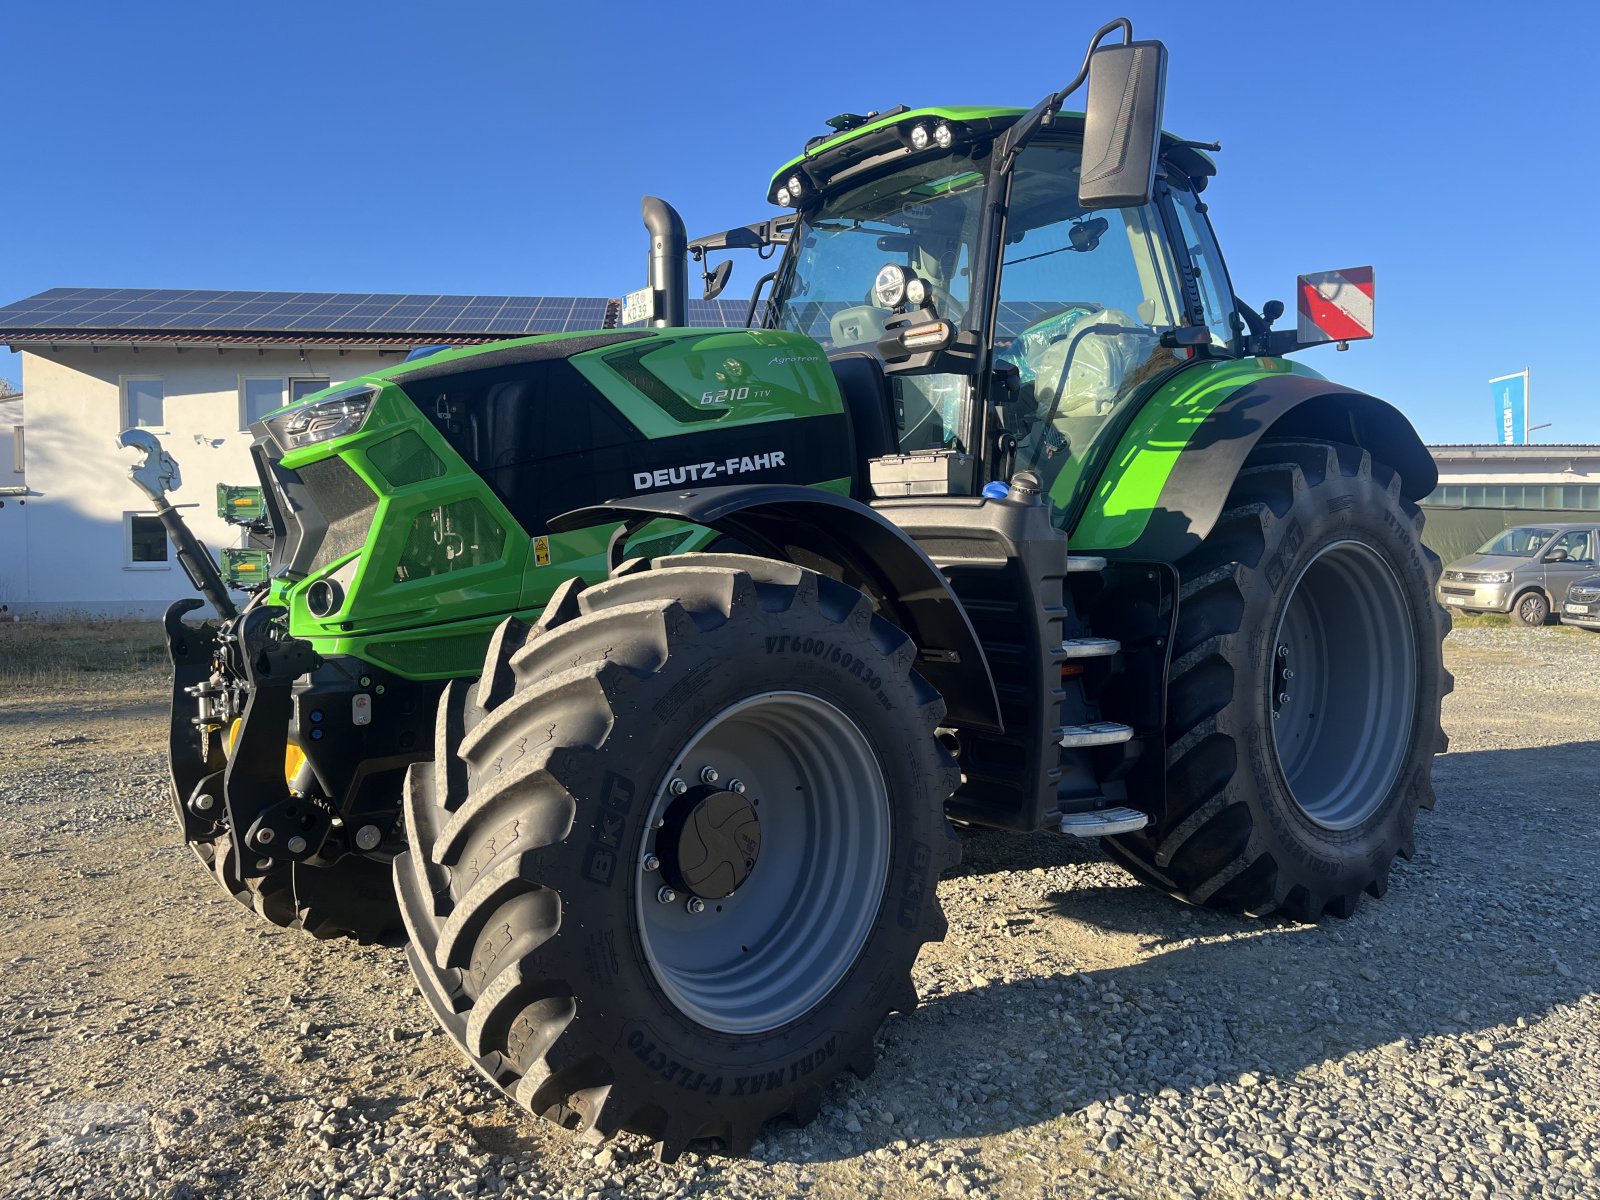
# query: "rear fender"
[1161,490]
[847,540]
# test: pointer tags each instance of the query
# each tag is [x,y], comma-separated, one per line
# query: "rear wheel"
[1532,609]
[678,849]
[1303,704]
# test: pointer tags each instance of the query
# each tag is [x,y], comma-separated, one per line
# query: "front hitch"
[266,821]
[155,475]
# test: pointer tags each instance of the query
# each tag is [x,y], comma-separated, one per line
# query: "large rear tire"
[678,849]
[1304,697]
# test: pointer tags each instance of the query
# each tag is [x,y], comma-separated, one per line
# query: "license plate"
[1455,599]
[1581,609]
[639,306]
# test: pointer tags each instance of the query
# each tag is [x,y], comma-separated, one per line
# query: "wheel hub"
[709,842]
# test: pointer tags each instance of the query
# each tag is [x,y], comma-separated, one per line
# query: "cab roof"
[883,136]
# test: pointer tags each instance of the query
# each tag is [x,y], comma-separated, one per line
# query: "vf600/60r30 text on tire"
[1303,704]
[678,849]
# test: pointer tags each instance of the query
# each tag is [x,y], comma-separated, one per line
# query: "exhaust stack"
[669,262]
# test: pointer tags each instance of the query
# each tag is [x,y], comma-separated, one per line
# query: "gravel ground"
[1080,1034]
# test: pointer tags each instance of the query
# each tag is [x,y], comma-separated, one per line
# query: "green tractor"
[643,676]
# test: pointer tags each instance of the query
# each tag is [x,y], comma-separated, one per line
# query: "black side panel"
[865,389]
[849,541]
[516,355]
[1283,406]
[1008,565]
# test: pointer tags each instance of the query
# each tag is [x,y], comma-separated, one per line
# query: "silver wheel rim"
[773,950]
[1532,608]
[1343,685]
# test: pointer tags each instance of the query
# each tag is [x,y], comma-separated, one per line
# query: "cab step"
[1085,562]
[1098,733]
[1103,822]
[1089,647]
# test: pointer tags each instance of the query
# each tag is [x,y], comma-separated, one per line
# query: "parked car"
[1582,604]
[1525,571]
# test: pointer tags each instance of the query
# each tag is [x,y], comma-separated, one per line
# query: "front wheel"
[1304,694]
[1531,609]
[679,849]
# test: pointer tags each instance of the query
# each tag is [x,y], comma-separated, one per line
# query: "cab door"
[1567,559]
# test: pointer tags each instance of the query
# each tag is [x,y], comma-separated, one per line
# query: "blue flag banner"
[1510,408]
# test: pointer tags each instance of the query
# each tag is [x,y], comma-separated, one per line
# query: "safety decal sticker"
[1335,306]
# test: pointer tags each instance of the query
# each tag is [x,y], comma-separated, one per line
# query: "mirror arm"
[1044,112]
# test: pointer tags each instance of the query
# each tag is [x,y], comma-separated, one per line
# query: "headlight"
[796,185]
[919,137]
[942,136]
[889,288]
[916,291]
[785,196]
[323,420]
[1495,577]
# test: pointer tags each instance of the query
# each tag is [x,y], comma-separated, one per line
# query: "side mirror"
[717,278]
[1122,125]
[1556,556]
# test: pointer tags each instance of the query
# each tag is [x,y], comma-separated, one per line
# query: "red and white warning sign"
[1336,306]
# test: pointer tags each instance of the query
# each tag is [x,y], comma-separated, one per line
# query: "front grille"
[346,504]
[1450,591]
[1583,595]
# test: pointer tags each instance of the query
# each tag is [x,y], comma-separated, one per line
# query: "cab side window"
[1211,277]
[1084,298]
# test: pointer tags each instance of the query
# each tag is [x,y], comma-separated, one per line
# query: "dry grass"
[80,654]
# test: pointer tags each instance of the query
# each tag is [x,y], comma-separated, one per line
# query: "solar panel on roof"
[128,309]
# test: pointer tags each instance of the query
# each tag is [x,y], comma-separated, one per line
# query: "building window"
[259,395]
[1533,496]
[144,399]
[18,462]
[145,540]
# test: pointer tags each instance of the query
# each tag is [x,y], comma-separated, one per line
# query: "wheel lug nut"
[677,787]
[368,837]
[1287,673]
[736,785]
[204,802]
[651,863]
[1283,697]
[696,905]
[264,837]
[1283,652]
[708,774]
[666,895]
[295,845]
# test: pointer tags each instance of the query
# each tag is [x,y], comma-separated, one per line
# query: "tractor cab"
[980,318]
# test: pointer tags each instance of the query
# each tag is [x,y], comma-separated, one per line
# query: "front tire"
[1304,694]
[619,938]
[1531,609]
[351,899]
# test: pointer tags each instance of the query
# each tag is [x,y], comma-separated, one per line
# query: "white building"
[1531,477]
[194,368]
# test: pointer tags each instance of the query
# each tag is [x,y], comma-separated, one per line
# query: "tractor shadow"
[1483,927]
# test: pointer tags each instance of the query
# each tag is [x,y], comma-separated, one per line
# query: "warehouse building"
[195,368]
[1486,488]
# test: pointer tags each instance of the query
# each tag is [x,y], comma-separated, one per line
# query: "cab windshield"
[1522,542]
[925,217]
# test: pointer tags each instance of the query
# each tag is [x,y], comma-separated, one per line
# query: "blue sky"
[503,148]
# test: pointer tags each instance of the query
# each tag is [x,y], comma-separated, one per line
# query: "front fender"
[849,541]
[1159,492]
